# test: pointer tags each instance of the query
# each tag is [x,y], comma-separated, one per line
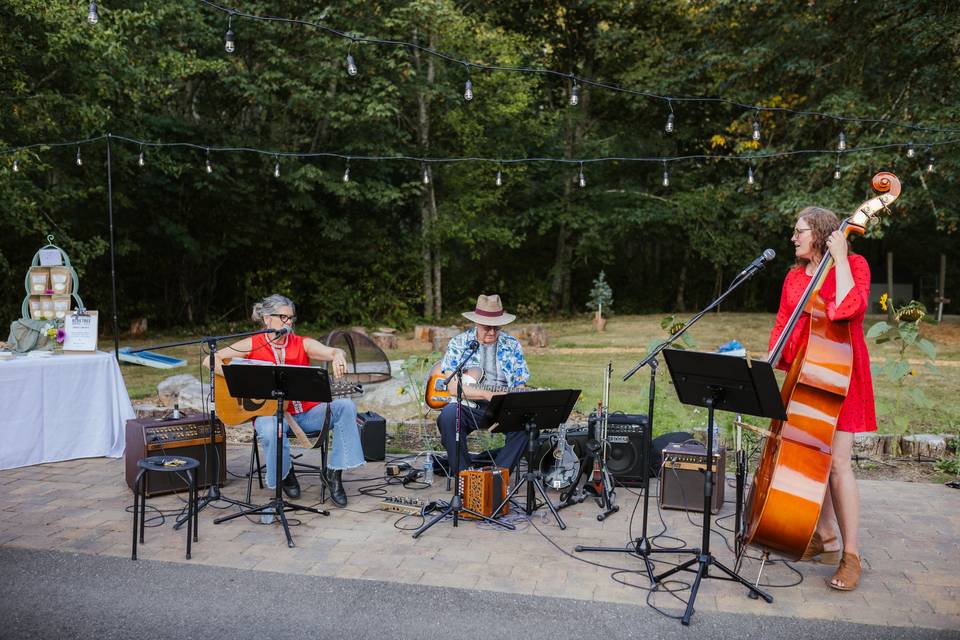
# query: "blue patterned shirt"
[512,364]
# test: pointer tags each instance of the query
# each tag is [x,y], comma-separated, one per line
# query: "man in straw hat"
[500,357]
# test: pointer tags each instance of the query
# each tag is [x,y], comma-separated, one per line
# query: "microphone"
[473,345]
[281,332]
[759,262]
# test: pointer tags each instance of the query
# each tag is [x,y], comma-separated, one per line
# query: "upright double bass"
[791,478]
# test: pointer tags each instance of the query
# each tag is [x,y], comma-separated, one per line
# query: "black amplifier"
[625,434]
[681,477]
[188,436]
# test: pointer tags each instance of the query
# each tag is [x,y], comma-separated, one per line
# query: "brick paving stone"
[912,574]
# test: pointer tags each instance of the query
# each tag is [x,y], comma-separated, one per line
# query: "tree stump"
[924,445]
[138,328]
[537,336]
[421,332]
[384,340]
[440,337]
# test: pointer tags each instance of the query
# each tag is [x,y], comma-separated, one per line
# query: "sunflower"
[883,301]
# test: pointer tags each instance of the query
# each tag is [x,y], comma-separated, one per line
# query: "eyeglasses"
[486,328]
[284,317]
[797,232]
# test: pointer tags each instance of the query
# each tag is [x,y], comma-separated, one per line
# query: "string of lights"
[425,163]
[575,80]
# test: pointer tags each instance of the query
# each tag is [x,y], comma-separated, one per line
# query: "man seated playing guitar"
[278,313]
[500,357]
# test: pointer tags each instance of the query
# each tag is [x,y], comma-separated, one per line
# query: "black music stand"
[729,383]
[282,383]
[531,411]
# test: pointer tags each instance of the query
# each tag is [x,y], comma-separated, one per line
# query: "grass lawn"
[577,356]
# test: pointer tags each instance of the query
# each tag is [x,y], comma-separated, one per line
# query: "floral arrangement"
[56,336]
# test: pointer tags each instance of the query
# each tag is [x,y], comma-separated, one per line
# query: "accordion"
[483,490]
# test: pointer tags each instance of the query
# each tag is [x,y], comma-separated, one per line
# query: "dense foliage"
[194,247]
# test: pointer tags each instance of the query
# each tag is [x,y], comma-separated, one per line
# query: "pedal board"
[400,504]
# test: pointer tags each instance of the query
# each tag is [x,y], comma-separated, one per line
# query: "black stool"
[162,464]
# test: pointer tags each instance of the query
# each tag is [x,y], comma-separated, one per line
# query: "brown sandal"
[816,548]
[848,573]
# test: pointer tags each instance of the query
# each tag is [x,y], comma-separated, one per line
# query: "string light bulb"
[750,179]
[351,65]
[836,170]
[911,152]
[666,175]
[574,93]
[92,16]
[79,159]
[426,175]
[756,129]
[499,178]
[669,126]
[140,160]
[581,179]
[930,167]
[842,142]
[468,91]
[346,173]
[209,165]
[276,167]
[16,167]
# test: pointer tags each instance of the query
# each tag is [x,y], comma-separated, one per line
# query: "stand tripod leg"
[537,483]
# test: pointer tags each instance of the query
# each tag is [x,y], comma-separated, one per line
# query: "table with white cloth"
[61,407]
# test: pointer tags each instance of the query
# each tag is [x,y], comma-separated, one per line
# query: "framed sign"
[81,332]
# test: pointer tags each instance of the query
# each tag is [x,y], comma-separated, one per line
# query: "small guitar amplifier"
[681,477]
[483,490]
[188,436]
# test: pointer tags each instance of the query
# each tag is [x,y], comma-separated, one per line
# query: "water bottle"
[428,469]
[266,517]
[716,438]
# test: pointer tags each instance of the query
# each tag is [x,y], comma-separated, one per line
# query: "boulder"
[169,389]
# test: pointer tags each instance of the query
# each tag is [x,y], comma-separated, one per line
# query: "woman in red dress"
[845,292]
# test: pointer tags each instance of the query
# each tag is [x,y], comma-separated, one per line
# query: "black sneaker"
[291,488]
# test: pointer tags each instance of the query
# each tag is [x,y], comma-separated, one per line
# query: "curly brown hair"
[822,222]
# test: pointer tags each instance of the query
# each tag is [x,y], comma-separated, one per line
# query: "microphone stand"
[455,506]
[213,486]
[642,546]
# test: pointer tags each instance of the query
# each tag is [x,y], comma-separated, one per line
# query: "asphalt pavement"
[52,594]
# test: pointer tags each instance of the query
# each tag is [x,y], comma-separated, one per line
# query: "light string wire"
[277,154]
[577,79]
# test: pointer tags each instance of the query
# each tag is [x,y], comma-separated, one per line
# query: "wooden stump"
[138,328]
[421,332]
[384,340]
[537,336]
[924,445]
[440,336]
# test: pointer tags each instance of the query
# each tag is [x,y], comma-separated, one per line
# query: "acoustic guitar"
[437,396]
[233,411]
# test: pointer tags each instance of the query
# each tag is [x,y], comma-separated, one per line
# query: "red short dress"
[858,412]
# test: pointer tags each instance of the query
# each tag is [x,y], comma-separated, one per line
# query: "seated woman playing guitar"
[500,357]
[278,312]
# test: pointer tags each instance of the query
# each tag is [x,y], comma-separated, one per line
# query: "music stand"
[729,383]
[531,411]
[282,383]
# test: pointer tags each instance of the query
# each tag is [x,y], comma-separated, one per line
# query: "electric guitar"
[233,411]
[437,396]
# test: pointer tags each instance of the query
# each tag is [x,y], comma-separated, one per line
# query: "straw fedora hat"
[489,311]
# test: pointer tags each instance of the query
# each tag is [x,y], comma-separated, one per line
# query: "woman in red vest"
[286,347]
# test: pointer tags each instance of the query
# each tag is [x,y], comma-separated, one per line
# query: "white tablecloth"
[61,407]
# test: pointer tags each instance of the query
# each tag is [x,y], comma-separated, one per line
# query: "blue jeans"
[346,452]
